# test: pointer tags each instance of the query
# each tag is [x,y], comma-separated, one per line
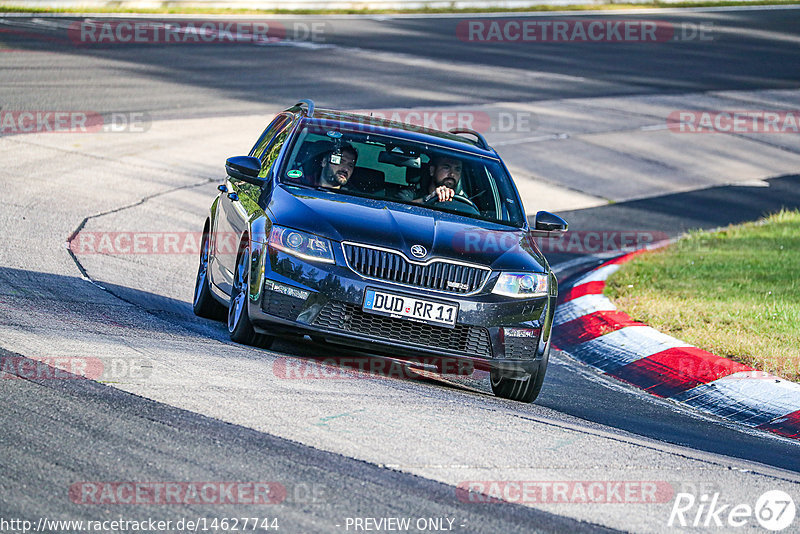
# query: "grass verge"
[734,292]
[611,5]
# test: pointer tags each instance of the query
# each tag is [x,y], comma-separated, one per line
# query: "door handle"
[223,188]
[233,196]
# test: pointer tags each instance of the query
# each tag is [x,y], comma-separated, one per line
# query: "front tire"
[240,328]
[204,304]
[522,388]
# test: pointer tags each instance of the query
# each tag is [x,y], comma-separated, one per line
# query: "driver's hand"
[444,193]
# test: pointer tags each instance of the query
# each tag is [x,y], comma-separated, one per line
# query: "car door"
[239,203]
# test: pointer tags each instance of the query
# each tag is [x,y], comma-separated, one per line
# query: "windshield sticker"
[295,173]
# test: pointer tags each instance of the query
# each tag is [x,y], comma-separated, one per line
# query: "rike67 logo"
[774,510]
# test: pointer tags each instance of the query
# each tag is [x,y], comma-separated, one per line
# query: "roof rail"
[481,140]
[309,103]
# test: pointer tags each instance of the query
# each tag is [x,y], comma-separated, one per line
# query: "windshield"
[400,170]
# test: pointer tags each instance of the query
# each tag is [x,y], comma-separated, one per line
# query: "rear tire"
[240,328]
[524,388]
[204,304]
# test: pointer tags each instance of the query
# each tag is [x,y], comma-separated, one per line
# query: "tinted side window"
[269,133]
[272,150]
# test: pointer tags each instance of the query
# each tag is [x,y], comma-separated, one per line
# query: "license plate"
[414,309]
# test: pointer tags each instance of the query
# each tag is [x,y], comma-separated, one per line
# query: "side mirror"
[245,168]
[549,222]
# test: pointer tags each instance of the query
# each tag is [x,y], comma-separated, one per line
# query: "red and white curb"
[589,327]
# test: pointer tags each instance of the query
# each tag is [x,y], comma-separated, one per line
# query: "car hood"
[398,226]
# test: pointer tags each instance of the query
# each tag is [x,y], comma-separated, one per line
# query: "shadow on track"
[98,433]
[745,51]
[29,300]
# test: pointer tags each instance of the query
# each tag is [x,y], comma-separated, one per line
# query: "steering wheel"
[465,203]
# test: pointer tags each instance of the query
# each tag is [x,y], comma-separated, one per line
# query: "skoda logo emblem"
[418,251]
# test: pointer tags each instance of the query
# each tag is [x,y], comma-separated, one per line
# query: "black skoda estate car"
[331,227]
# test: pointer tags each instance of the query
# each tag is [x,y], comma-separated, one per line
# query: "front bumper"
[289,295]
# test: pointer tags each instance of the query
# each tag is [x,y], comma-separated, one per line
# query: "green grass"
[610,5]
[734,292]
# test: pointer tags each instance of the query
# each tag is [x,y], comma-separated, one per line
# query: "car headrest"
[308,158]
[414,176]
[311,151]
[366,180]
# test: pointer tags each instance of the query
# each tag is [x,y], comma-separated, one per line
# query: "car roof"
[419,134]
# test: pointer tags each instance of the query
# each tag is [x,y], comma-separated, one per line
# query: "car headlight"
[521,285]
[301,244]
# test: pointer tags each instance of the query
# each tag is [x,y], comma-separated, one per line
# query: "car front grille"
[473,340]
[438,275]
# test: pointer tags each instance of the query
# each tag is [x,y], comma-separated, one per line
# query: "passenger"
[337,166]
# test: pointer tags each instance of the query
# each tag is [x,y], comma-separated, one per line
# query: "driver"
[445,176]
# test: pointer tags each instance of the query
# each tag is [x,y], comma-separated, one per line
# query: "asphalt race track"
[181,403]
